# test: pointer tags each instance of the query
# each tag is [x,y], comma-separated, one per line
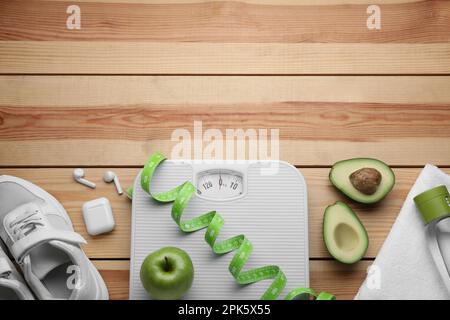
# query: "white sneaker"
[12,285]
[39,234]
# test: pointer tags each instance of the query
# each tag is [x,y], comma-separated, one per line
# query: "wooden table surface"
[110,94]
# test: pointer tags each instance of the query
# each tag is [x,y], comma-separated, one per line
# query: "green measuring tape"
[213,223]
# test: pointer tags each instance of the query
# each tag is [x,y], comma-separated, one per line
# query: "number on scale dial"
[220,184]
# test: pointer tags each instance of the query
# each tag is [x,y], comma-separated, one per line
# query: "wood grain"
[256,61]
[105,57]
[341,280]
[311,133]
[227,21]
[377,219]
[78,57]
[265,2]
[93,91]
[295,120]
[229,37]
[122,152]
[116,275]
[101,120]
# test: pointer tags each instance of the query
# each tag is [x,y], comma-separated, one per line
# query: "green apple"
[167,274]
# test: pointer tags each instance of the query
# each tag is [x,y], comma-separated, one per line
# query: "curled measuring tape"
[213,223]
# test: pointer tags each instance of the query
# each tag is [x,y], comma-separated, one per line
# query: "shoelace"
[26,223]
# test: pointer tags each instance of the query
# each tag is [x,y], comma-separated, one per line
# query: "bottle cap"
[433,204]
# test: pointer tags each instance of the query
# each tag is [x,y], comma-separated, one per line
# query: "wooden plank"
[122,152]
[105,57]
[123,131]
[261,2]
[341,280]
[116,275]
[107,107]
[296,121]
[377,219]
[226,22]
[92,91]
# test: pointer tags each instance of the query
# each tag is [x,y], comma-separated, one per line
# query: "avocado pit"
[366,180]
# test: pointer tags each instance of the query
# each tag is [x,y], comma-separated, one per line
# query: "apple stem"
[167,267]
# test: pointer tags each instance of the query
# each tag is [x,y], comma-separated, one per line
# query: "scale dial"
[219,184]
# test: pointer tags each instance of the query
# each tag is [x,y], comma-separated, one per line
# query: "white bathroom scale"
[269,208]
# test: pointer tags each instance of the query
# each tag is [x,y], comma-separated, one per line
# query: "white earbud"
[110,176]
[78,175]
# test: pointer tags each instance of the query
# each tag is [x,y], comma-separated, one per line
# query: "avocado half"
[344,235]
[342,171]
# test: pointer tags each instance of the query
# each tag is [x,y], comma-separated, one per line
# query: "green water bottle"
[434,207]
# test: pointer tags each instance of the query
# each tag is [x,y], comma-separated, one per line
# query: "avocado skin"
[363,201]
[358,258]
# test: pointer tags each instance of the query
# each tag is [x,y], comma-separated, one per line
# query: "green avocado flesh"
[341,172]
[344,235]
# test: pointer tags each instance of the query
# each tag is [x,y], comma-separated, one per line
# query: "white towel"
[404,265]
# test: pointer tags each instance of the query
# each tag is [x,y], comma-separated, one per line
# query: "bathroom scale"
[264,200]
